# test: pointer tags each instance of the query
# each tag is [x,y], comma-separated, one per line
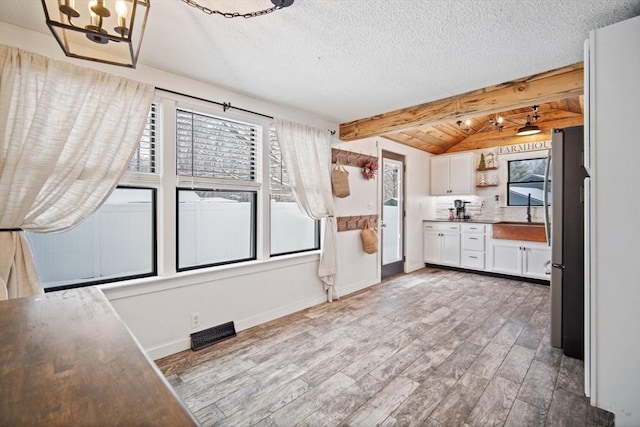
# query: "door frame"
[398,266]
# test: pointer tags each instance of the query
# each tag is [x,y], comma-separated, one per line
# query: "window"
[526,182]
[291,229]
[215,227]
[222,209]
[117,242]
[211,147]
[216,222]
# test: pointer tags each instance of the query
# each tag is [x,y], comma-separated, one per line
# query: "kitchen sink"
[528,231]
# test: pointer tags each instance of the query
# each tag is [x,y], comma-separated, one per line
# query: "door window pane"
[391,211]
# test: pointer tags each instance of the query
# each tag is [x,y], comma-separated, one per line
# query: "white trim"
[164,350]
[130,288]
[173,347]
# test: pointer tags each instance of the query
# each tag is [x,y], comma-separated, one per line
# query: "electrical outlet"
[195,320]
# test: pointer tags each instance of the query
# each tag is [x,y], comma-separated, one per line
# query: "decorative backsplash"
[486,208]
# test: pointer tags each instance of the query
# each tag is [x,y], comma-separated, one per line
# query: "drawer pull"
[474,257]
[473,238]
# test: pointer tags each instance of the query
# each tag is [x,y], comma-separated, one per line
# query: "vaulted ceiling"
[450,137]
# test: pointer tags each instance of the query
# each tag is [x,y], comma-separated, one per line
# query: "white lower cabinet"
[473,246]
[519,258]
[441,243]
[469,245]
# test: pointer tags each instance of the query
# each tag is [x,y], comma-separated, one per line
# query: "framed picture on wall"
[490,160]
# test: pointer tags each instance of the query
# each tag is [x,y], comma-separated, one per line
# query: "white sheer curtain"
[66,136]
[306,153]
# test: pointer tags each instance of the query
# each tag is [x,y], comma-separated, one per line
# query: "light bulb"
[121,8]
[94,16]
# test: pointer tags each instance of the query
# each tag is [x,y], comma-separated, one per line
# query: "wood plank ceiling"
[433,127]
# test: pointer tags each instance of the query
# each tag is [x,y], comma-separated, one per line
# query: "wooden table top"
[66,358]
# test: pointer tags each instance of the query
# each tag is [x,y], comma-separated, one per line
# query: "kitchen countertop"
[68,359]
[472,221]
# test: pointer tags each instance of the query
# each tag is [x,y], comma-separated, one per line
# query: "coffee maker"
[461,209]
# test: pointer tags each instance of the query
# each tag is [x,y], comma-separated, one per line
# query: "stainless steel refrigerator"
[566,226]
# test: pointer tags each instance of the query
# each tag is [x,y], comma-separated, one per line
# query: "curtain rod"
[225,105]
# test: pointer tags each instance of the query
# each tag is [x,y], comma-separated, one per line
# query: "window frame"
[509,182]
[270,190]
[254,227]
[154,250]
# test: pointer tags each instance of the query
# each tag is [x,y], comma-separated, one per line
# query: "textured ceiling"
[349,59]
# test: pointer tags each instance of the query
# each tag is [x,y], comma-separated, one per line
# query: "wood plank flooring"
[430,348]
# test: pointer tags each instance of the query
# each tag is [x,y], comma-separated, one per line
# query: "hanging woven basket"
[369,238]
[340,181]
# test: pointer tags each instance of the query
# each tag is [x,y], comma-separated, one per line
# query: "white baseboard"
[355,287]
[168,349]
[414,267]
[277,313]
[177,346]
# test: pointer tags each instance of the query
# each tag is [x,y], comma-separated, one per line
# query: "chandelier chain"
[247,15]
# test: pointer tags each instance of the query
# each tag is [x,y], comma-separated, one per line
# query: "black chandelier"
[90,29]
[110,31]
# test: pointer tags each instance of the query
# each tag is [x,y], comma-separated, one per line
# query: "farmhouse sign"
[527,146]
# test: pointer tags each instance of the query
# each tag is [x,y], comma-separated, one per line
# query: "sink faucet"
[529,208]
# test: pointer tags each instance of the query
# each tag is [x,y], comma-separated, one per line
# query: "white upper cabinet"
[451,175]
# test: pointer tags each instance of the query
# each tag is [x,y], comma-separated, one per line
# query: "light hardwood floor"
[432,348]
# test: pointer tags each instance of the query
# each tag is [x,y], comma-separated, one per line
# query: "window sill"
[130,288]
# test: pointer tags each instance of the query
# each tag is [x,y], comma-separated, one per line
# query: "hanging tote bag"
[369,238]
[340,181]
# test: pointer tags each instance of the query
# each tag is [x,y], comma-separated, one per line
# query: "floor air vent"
[202,339]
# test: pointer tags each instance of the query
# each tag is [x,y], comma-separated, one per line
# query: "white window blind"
[278,176]
[144,159]
[212,147]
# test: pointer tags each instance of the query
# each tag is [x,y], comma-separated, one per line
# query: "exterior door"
[392,224]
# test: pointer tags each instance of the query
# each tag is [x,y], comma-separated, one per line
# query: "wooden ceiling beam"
[552,85]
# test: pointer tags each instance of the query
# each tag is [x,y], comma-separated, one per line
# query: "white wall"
[614,109]
[365,199]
